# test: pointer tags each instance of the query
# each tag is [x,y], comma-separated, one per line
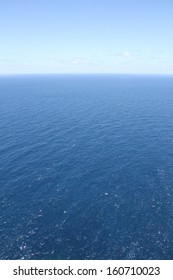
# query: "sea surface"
[86,167]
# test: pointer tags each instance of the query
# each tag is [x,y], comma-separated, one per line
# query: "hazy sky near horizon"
[86,36]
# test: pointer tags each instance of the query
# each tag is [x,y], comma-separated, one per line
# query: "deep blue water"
[86,167]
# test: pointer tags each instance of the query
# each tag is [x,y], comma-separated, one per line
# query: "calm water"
[86,167]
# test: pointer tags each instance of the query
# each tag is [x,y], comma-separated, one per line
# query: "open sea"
[86,167]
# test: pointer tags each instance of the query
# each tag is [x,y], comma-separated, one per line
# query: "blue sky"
[86,36]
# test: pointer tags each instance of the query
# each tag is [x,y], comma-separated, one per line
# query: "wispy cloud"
[79,60]
[125,54]
[122,56]
[72,60]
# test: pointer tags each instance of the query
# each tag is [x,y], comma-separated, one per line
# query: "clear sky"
[86,36]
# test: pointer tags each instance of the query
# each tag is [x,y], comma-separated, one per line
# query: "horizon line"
[86,73]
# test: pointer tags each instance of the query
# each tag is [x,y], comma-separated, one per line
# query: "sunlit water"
[86,167]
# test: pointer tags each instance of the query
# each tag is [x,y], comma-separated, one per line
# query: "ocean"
[86,167]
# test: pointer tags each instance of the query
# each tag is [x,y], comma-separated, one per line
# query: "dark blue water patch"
[86,167]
